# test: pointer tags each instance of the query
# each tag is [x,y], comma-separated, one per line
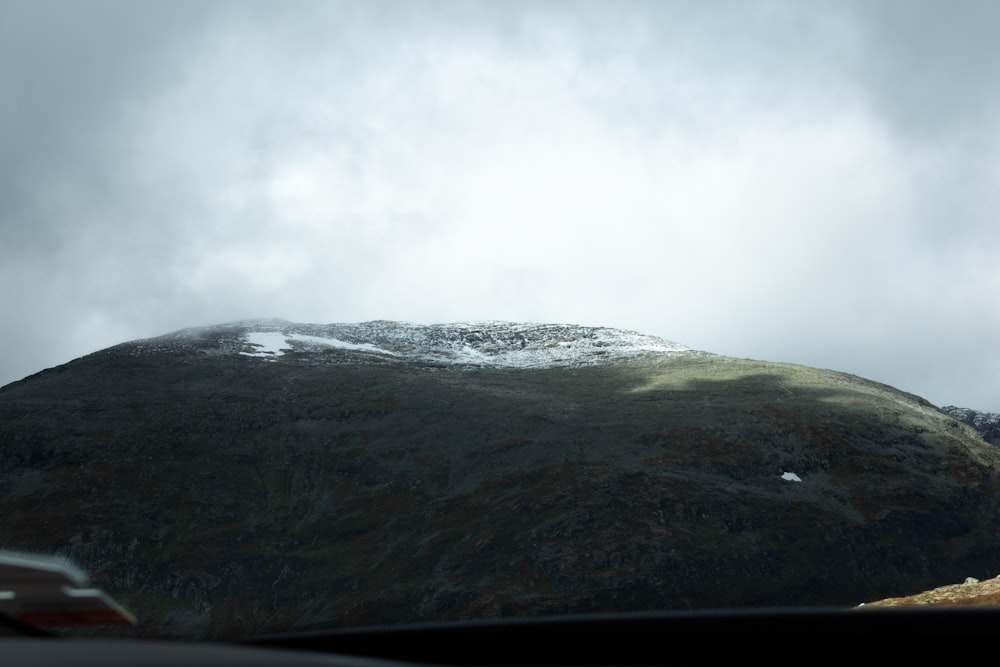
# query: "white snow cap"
[496,344]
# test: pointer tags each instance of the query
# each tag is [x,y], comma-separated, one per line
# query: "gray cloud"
[928,66]
[802,183]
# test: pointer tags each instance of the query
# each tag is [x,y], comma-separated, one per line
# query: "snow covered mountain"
[268,476]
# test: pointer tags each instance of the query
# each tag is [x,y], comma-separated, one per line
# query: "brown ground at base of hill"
[972,593]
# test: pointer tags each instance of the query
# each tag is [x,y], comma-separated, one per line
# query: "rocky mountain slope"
[265,476]
[987,424]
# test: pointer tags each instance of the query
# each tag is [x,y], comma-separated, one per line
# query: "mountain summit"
[491,344]
[264,476]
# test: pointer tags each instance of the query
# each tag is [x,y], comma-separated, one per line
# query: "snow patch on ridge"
[266,344]
[270,344]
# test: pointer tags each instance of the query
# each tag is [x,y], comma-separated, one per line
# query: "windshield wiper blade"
[42,591]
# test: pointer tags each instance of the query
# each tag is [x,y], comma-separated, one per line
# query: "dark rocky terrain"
[408,474]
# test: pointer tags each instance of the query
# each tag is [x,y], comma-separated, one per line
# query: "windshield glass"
[330,314]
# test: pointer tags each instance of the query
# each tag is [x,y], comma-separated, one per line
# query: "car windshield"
[325,314]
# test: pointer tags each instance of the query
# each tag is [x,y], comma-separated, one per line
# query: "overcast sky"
[814,182]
